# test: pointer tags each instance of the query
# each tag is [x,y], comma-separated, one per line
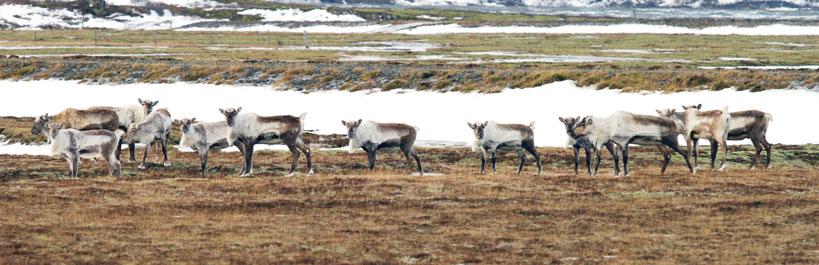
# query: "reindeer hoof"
[132,160]
[167,163]
[311,172]
[290,174]
[142,166]
[723,168]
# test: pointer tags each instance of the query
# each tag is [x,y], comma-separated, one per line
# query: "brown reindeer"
[747,124]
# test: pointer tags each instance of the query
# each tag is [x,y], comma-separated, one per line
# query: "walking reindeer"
[203,136]
[491,136]
[373,136]
[695,124]
[583,142]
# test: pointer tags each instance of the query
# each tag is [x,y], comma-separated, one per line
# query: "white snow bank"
[774,29]
[736,59]
[24,149]
[440,116]
[31,17]
[180,3]
[765,67]
[298,15]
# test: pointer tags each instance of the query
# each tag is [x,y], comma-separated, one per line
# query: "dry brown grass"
[345,214]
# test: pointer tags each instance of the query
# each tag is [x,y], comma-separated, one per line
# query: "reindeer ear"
[359,122]
[238,109]
[561,119]
[471,125]
[154,103]
[344,122]
[699,106]
[140,101]
[222,111]
[193,120]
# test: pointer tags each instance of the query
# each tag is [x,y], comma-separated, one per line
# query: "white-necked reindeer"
[491,136]
[625,128]
[588,147]
[204,136]
[251,129]
[747,124]
[373,136]
[73,144]
[695,124]
[156,126]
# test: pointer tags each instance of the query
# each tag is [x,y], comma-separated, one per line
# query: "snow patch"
[32,18]
[298,15]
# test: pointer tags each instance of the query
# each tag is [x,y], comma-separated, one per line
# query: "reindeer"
[97,118]
[623,128]
[250,129]
[491,136]
[695,124]
[203,136]
[583,142]
[157,125]
[373,136]
[73,144]
[748,124]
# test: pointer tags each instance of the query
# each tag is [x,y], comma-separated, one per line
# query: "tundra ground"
[345,214]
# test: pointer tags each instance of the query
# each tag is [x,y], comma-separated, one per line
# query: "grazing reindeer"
[625,128]
[695,124]
[372,136]
[73,144]
[748,124]
[250,129]
[583,142]
[157,125]
[491,136]
[203,136]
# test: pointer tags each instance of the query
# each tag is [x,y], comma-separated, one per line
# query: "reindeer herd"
[99,132]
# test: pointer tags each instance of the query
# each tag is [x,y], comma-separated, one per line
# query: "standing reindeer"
[73,144]
[251,129]
[157,125]
[583,142]
[203,136]
[625,128]
[695,124]
[373,136]
[747,124]
[491,136]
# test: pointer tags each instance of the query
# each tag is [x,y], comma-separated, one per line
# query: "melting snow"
[315,15]
[30,17]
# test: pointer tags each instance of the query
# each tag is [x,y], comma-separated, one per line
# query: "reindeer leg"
[696,145]
[248,159]
[494,161]
[530,147]
[588,151]
[417,161]
[714,151]
[118,149]
[613,151]
[625,160]
[131,151]
[672,143]
[599,156]
[145,155]
[666,158]
[75,162]
[166,162]
[203,163]
[688,154]
[767,150]
[724,164]
[522,157]
[306,150]
[294,152]
[576,149]
[758,149]
[371,158]
[241,146]
[483,160]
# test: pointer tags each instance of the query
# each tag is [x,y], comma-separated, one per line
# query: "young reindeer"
[204,136]
[157,125]
[583,142]
[373,136]
[625,128]
[748,124]
[73,144]
[251,129]
[695,124]
[491,136]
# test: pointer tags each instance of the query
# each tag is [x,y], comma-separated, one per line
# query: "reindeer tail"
[532,125]
[301,122]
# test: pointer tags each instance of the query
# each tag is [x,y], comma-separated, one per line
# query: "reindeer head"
[478,128]
[230,115]
[41,124]
[147,105]
[569,122]
[582,127]
[666,113]
[352,126]
[185,124]
[698,107]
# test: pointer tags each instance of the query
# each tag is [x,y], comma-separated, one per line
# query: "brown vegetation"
[345,214]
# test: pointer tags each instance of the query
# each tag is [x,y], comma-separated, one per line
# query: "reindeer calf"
[203,136]
[157,125]
[73,144]
[373,136]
